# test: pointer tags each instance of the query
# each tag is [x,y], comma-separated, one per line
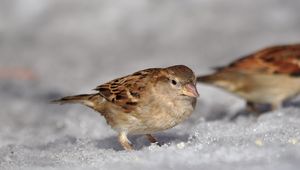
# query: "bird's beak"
[190,90]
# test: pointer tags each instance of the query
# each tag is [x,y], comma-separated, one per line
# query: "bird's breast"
[164,114]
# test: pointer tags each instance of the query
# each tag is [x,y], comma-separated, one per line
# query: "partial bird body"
[269,76]
[144,102]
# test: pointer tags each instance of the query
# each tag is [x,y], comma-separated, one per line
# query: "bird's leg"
[152,139]
[124,141]
[251,107]
[276,105]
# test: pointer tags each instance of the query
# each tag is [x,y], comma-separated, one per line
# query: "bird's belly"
[275,88]
[161,119]
[156,118]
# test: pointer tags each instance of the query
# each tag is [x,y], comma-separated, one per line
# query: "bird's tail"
[86,99]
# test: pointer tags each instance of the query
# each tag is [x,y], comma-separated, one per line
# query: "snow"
[71,46]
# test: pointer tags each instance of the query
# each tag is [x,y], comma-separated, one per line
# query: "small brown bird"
[269,76]
[144,102]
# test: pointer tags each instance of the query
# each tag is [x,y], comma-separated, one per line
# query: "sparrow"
[143,103]
[268,76]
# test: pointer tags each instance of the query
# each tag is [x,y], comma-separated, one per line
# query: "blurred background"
[52,48]
[70,44]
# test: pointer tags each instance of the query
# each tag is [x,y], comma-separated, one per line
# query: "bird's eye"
[174,82]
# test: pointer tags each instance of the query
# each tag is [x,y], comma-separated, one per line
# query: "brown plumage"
[144,102]
[268,76]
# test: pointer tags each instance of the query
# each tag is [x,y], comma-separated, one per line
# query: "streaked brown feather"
[273,60]
[127,91]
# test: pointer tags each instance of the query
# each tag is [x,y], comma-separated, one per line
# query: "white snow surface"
[73,45]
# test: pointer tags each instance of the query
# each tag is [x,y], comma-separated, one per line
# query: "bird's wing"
[126,91]
[273,60]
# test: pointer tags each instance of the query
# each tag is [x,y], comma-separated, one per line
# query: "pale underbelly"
[155,121]
[273,89]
